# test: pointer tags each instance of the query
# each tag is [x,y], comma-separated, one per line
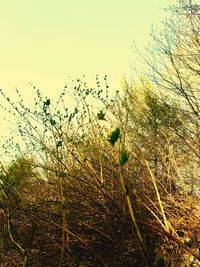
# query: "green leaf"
[48,102]
[114,136]
[124,156]
[101,115]
[53,122]
[59,144]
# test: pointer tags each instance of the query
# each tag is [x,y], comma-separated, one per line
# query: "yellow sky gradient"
[46,41]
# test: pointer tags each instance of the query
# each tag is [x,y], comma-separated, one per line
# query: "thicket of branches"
[113,185]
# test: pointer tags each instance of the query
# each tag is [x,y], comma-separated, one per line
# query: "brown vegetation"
[117,186]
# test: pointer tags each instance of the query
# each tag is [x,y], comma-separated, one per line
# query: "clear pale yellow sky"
[45,41]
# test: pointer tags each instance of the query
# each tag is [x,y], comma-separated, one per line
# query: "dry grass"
[96,200]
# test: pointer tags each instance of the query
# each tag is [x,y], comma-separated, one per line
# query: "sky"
[46,41]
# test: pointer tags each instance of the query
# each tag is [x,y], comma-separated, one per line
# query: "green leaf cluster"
[114,136]
[124,156]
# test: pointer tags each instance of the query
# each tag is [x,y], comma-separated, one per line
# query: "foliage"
[123,157]
[116,186]
[114,136]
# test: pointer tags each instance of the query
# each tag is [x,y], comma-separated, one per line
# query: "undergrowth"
[99,187]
